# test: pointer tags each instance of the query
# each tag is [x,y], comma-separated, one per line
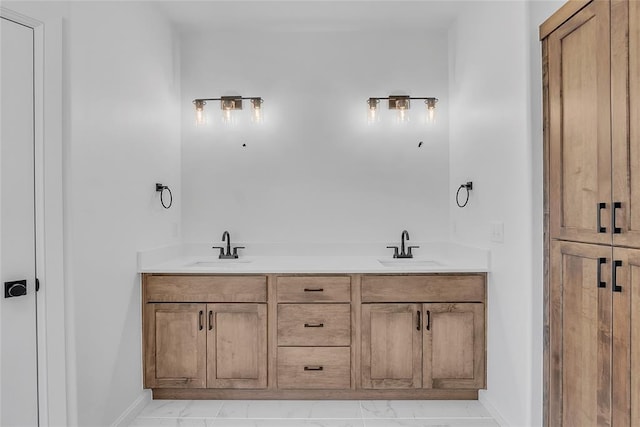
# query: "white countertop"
[310,264]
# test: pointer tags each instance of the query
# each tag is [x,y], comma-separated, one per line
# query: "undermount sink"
[219,263]
[408,262]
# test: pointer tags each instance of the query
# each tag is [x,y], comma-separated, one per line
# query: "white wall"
[490,145]
[315,171]
[123,137]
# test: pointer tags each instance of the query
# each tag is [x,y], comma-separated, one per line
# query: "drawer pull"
[314,289]
[313,368]
[314,325]
[200,316]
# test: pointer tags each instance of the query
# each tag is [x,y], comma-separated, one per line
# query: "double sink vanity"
[314,327]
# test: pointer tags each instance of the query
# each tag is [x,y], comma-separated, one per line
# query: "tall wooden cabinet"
[591,75]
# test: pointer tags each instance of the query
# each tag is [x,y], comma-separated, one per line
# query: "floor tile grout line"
[222,402]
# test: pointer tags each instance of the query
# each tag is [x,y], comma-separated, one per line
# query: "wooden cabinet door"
[580,335]
[625,87]
[175,346]
[580,127]
[236,345]
[453,346]
[626,339]
[391,346]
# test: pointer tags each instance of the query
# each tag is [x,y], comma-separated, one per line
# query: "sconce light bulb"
[431,109]
[257,113]
[199,111]
[226,115]
[402,115]
[372,111]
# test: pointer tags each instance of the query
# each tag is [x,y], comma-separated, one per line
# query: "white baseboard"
[133,410]
[492,410]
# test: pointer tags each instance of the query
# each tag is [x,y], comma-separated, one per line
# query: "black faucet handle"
[235,251]
[219,247]
[395,250]
[409,250]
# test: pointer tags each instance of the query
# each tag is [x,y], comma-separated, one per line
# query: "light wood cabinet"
[198,345]
[591,57]
[626,338]
[391,346]
[237,346]
[176,346]
[453,352]
[419,344]
[593,132]
[579,126]
[358,336]
[581,342]
[625,130]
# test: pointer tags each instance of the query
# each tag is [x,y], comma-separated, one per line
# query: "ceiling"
[310,16]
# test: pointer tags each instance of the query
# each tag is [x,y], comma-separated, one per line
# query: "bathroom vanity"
[234,333]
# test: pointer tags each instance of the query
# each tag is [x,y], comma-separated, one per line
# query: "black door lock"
[16,288]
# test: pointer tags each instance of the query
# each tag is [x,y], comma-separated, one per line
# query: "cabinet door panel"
[580,335]
[579,126]
[625,87]
[626,339]
[391,346]
[175,350]
[237,345]
[453,346]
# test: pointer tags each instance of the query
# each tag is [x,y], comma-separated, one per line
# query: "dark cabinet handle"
[601,206]
[428,320]
[601,284]
[419,320]
[616,230]
[314,325]
[615,287]
[313,289]
[200,316]
[313,368]
[210,320]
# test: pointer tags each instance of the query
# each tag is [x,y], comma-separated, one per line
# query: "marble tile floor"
[314,413]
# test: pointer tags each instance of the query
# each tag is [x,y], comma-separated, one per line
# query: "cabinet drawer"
[314,367]
[166,288]
[314,289]
[427,288]
[314,324]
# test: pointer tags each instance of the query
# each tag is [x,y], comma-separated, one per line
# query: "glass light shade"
[372,110]
[227,117]
[257,112]
[431,109]
[402,115]
[200,119]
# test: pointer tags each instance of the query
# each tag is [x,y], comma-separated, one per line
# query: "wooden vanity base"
[208,393]
[304,336]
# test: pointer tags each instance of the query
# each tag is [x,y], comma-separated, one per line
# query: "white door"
[18,358]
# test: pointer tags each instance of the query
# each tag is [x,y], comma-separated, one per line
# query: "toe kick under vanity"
[235,335]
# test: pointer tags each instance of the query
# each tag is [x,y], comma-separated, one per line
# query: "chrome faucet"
[404,237]
[227,255]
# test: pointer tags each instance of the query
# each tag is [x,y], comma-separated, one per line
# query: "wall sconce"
[400,103]
[229,104]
